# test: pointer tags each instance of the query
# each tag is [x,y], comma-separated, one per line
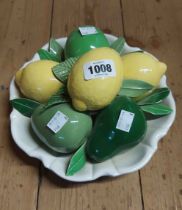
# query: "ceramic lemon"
[36,80]
[83,39]
[95,79]
[143,66]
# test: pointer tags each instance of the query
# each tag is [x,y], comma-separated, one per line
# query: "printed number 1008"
[100,68]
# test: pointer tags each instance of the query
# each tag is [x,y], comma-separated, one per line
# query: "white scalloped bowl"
[132,160]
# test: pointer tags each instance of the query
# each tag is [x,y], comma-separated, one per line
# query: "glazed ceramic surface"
[78,44]
[107,138]
[73,133]
[87,93]
[128,162]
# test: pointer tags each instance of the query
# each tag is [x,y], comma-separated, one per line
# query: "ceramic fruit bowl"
[130,161]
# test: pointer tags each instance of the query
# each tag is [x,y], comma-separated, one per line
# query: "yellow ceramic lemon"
[143,66]
[36,80]
[95,79]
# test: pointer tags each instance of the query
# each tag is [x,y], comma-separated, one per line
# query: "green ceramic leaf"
[77,162]
[134,88]
[155,97]
[157,109]
[132,92]
[57,98]
[45,55]
[62,70]
[136,84]
[118,44]
[137,51]
[55,48]
[25,106]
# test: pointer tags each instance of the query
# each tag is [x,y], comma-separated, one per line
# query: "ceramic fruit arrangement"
[90,99]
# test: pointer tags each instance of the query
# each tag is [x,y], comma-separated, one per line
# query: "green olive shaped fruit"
[60,127]
[78,44]
[117,128]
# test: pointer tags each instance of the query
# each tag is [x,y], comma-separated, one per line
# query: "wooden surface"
[154,25]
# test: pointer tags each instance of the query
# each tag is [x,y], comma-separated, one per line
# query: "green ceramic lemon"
[77,44]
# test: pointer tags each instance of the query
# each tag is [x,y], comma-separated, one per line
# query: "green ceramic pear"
[60,127]
[117,128]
